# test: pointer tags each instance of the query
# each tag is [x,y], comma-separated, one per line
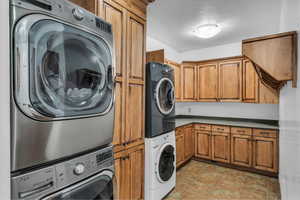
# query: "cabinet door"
[250,82]
[116,15]
[267,96]
[221,147]
[179,149]
[188,143]
[203,144]
[134,113]
[135,165]
[265,154]
[241,150]
[118,138]
[120,174]
[135,48]
[177,78]
[208,82]
[189,81]
[230,84]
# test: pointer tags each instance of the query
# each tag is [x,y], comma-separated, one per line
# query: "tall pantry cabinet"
[128,19]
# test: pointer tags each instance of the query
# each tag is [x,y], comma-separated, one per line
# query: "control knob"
[78,14]
[79,169]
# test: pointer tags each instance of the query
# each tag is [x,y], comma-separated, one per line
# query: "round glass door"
[165,98]
[98,188]
[70,71]
[166,163]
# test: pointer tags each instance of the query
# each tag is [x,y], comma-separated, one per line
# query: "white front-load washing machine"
[160,166]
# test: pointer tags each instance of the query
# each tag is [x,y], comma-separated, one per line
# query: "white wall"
[4,102]
[171,54]
[228,50]
[234,110]
[289,114]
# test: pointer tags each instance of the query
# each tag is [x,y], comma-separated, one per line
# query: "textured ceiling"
[172,21]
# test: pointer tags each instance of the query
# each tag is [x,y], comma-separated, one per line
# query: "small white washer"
[160,165]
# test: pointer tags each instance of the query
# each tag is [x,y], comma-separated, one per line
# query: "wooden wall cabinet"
[250,83]
[230,81]
[188,82]
[177,78]
[207,82]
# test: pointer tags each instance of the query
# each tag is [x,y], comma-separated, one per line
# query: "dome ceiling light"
[207,30]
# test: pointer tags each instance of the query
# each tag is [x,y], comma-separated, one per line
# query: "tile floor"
[198,180]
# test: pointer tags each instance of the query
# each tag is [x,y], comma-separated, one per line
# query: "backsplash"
[233,110]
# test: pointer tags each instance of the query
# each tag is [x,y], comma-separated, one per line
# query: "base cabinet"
[247,148]
[129,171]
[265,154]
[188,143]
[241,150]
[220,147]
[179,149]
[202,144]
[184,144]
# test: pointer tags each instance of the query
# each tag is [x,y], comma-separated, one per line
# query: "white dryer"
[160,166]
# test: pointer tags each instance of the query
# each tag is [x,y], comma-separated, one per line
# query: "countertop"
[182,120]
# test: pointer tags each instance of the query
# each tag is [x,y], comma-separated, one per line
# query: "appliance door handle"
[110,77]
[37,190]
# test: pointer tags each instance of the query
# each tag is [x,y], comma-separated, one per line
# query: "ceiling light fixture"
[207,30]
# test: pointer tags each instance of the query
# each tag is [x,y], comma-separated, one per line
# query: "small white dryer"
[160,166]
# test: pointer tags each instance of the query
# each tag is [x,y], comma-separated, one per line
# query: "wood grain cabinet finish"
[179,149]
[267,95]
[134,113]
[119,123]
[250,82]
[188,143]
[230,81]
[207,82]
[135,48]
[116,15]
[241,150]
[203,144]
[221,146]
[188,81]
[265,153]
[177,78]
[129,170]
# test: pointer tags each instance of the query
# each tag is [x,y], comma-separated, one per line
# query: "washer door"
[70,70]
[165,99]
[166,163]
[99,187]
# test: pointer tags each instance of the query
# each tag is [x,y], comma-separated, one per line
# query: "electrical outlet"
[189,110]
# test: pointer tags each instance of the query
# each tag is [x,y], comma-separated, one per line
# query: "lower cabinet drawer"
[241,131]
[265,133]
[223,129]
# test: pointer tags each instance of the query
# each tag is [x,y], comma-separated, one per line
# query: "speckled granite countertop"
[240,122]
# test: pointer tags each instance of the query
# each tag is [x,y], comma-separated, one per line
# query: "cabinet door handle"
[265,133]
[240,131]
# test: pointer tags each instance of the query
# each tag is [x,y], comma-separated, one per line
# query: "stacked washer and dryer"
[160,141]
[62,96]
